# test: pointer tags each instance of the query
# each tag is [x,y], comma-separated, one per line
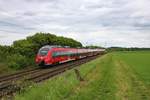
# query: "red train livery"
[49,55]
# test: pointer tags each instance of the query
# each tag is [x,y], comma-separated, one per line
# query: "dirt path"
[98,85]
[129,87]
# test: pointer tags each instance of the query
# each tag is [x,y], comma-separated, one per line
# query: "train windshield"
[43,51]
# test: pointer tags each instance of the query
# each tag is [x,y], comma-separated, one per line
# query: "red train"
[49,55]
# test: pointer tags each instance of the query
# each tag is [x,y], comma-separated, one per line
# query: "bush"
[17,61]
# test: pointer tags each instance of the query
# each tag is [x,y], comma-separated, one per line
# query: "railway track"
[8,82]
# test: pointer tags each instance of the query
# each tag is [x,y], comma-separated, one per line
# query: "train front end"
[44,56]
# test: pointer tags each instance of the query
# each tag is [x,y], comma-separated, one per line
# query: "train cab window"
[43,51]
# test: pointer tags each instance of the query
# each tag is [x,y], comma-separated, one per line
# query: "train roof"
[51,46]
[58,46]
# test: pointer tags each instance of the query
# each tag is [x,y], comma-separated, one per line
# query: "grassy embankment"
[115,76]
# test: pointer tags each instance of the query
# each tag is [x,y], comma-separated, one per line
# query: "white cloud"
[100,22]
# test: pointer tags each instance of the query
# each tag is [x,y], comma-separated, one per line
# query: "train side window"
[61,53]
[56,54]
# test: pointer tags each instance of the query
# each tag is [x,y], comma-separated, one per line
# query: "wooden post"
[78,75]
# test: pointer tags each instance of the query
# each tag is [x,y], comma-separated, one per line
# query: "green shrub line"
[17,61]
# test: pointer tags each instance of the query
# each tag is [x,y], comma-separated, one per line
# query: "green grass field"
[115,76]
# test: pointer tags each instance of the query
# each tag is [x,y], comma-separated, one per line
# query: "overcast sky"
[98,22]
